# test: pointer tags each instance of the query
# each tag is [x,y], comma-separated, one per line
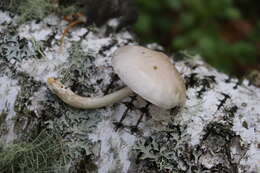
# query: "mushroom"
[148,73]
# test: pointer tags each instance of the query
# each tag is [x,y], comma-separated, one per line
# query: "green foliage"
[34,9]
[44,154]
[197,25]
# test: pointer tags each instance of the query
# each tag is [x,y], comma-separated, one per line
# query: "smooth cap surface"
[151,75]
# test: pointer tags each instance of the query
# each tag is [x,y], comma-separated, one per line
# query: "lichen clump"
[45,153]
[15,48]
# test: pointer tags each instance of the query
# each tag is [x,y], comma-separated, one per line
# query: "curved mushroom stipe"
[76,101]
[148,73]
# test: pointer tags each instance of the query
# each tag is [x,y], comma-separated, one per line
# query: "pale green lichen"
[80,69]
[16,48]
[169,151]
[74,126]
[24,115]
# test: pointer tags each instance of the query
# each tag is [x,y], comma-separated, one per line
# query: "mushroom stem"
[74,100]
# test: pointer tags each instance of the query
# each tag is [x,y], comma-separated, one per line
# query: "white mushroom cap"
[151,75]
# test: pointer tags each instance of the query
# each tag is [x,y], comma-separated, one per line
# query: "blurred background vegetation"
[225,32]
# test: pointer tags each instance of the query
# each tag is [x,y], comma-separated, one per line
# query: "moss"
[37,9]
[10,5]
[64,11]
[45,153]
[34,9]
